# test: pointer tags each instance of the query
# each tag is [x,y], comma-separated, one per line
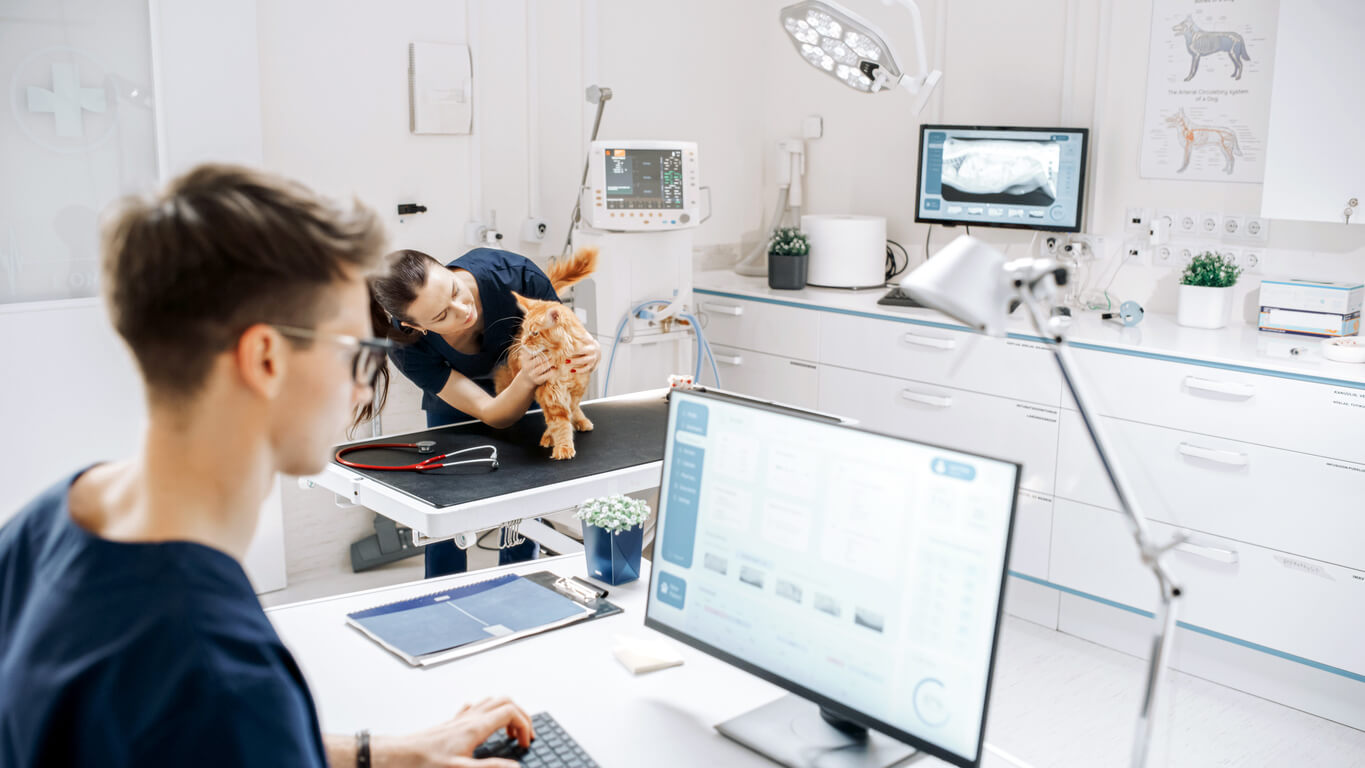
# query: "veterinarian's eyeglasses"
[370,354]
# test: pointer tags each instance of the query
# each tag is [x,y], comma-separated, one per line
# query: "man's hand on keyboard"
[451,744]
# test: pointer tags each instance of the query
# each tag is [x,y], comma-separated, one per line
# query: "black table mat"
[625,433]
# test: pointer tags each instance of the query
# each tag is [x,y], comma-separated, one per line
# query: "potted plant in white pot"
[1206,291]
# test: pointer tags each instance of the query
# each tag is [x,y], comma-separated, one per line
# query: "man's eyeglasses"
[370,354]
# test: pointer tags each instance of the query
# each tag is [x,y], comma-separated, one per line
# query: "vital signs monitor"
[642,186]
[863,573]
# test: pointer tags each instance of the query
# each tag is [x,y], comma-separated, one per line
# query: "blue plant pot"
[613,558]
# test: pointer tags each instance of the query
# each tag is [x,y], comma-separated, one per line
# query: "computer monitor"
[864,573]
[1025,178]
[642,186]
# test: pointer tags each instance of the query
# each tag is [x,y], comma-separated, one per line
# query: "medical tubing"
[616,341]
[702,346]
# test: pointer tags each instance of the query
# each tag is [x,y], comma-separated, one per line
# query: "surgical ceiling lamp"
[842,44]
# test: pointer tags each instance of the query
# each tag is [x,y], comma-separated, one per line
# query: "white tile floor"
[1059,701]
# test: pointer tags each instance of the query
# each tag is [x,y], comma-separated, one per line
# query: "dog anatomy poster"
[1208,89]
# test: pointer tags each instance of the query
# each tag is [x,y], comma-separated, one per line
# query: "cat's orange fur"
[550,328]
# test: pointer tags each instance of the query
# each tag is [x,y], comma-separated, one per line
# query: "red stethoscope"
[424,446]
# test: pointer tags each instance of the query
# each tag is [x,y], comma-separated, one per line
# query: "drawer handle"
[802,365]
[934,400]
[1216,554]
[722,309]
[729,359]
[1230,458]
[929,341]
[1221,387]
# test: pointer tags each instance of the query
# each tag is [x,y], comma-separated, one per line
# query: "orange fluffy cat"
[550,328]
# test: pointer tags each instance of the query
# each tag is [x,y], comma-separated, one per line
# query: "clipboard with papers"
[464,620]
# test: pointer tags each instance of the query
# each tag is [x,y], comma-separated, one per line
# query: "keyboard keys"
[553,747]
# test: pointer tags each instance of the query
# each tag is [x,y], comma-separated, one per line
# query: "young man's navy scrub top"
[139,654]
[429,361]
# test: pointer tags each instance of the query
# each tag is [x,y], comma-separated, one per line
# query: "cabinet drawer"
[794,382]
[968,421]
[956,358]
[1283,500]
[1268,410]
[1296,605]
[1032,537]
[770,328]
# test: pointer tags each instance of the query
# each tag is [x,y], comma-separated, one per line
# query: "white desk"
[1056,700]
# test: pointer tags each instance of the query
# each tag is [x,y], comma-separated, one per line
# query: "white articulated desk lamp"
[970,281]
[837,41]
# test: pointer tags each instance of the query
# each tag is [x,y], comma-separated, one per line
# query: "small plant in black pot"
[788,256]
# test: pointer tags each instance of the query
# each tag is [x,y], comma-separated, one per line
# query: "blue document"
[467,619]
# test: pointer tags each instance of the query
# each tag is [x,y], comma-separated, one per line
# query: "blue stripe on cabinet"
[1196,628]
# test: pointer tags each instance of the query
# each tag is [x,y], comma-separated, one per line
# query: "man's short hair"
[219,250]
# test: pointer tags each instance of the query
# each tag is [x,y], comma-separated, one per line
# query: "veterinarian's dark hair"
[392,292]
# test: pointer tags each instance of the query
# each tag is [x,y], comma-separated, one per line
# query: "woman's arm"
[503,410]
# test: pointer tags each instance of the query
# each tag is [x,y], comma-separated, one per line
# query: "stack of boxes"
[1311,307]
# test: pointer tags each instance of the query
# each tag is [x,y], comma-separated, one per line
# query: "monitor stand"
[794,732]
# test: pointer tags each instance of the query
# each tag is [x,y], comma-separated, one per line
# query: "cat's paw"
[582,425]
[564,451]
[547,440]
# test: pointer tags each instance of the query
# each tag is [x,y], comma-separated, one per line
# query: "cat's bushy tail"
[565,272]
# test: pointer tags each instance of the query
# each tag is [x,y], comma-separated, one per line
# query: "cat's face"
[547,325]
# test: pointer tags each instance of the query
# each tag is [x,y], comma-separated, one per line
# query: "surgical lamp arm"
[922,60]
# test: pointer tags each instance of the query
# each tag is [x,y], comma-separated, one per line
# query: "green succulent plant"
[1210,270]
[789,241]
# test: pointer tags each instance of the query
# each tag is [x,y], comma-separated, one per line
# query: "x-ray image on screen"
[1028,178]
[993,171]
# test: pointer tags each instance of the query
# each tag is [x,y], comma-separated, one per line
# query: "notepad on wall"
[467,619]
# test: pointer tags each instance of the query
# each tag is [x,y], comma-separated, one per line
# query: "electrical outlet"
[1187,223]
[1135,251]
[1164,256]
[1256,228]
[1209,224]
[1051,244]
[1233,226]
[1233,255]
[1186,255]
[1252,259]
[1137,221]
[533,230]
[474,232]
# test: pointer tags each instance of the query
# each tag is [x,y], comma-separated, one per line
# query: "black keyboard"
[552,748]
[896,298]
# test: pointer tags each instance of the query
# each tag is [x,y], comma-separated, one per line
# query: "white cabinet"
[1023,370]
[1292,604]
[1315,159]
[1266,410]
[765,376]
[777,330]
[1294,502]
[967,421]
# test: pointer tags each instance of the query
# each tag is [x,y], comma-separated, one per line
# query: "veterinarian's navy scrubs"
[429,361]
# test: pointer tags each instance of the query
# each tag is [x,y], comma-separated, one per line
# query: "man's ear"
[260,356]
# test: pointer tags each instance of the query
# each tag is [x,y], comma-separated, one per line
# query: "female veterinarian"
[455,323]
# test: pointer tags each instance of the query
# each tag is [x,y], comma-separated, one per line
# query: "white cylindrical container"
[846,251]
[1204,307]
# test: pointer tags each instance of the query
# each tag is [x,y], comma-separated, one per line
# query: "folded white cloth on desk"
[641,655]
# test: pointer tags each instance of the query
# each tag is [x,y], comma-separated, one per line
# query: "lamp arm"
[1153,555]
[922,73]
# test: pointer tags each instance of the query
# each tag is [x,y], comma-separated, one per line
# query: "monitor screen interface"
[838,563]
[1031,178]
[644,179]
